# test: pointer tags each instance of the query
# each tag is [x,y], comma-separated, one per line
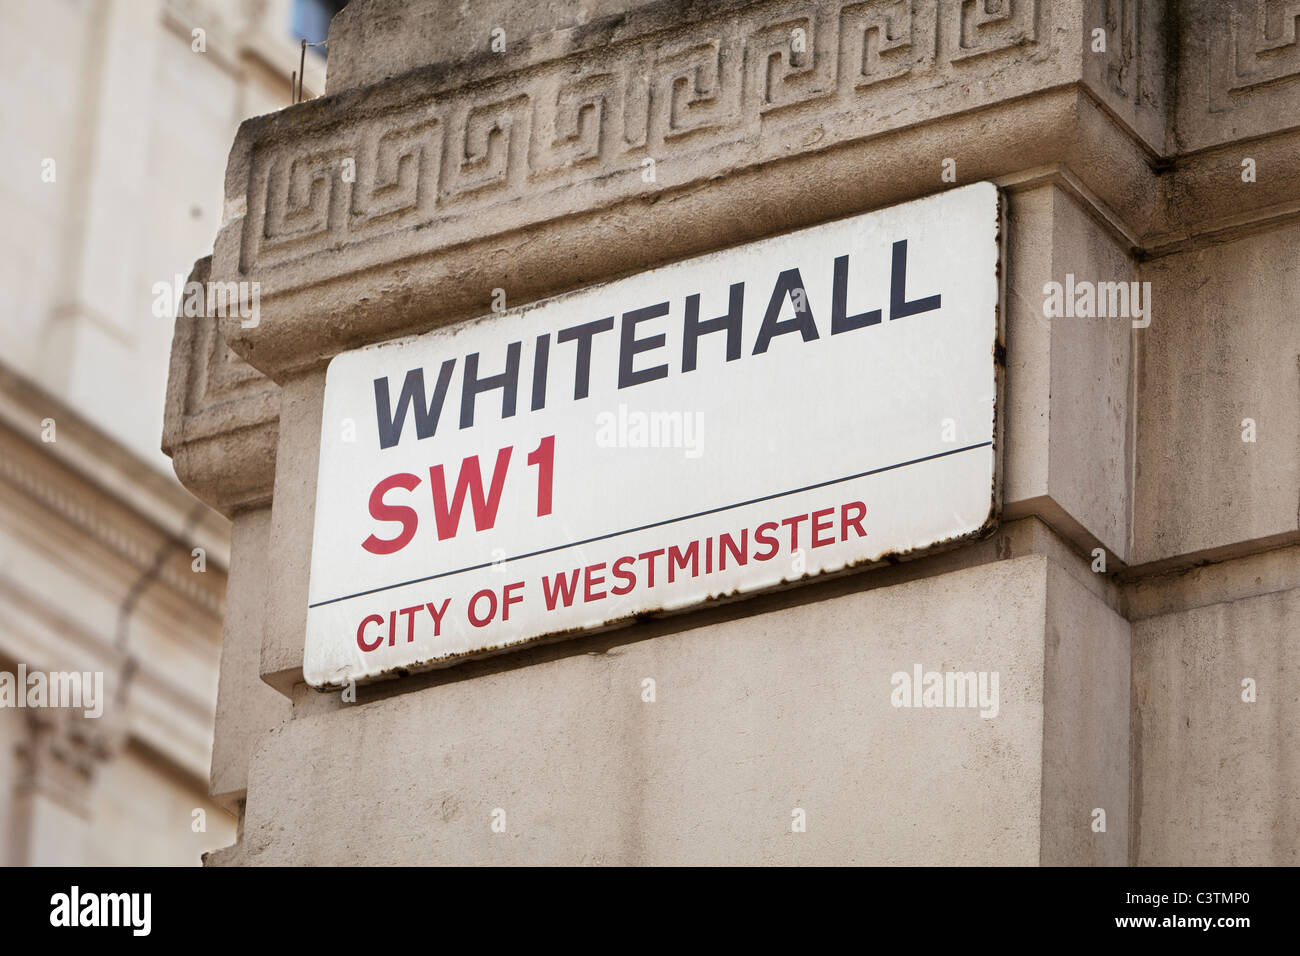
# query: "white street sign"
[760,415]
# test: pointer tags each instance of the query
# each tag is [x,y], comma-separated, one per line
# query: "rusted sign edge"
[891,558]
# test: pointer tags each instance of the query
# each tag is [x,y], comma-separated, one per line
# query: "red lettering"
[492,607]
[589,580]
[544,458]
[649,558]
[385,512]
[793,524]
[766,538]
[410,621]
[361,633]
[624,575]
[727,545]
[855,522]
[470,480]
[559,587]
[436,614]
[508,599]
[678,559]
[818,527]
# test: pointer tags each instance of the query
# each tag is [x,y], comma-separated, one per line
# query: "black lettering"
[899,307]
[507,381]
[540,364]
[630,346]
[840,322]
[694,328]
[788,283]
[583,334]
[426,418]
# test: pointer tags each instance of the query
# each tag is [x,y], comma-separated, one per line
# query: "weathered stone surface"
[458,153]
[752,719]
[525,171]
[1215,781]
[220,423]
[376,41]
[1085,761]
[1225,325]
[246,707]
[292,528]
[1067,455]
[1238,70]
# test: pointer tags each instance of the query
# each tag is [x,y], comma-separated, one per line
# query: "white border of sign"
[347,473]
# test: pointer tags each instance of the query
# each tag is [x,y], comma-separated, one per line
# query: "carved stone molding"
[625,112]
[1131,74]
[134,543]
[420,157]
[387,209]
[220,424]
[62,753]
[1239,74]
[1259,48]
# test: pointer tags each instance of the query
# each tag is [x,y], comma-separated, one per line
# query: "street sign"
[761,415]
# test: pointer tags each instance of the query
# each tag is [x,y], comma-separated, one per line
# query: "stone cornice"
[392,208]
[390,288]
[446,157]
[374,212]
[220,424]
[174,720]
[58,474]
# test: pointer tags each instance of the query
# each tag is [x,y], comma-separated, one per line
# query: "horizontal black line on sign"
[656,524]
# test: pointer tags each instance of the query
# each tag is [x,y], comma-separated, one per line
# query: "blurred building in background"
[1139,597]
[117,117]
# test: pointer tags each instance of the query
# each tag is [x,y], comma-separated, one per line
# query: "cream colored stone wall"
[1215,780]
[96,536]
[753,718]
[138,125]
[1146,556]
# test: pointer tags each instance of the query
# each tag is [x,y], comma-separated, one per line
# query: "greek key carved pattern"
[1254,57]
[791,61]
[1264,44]
[490,140]
[294,201]
[599,113]
[987,26]
[573,122]
[694,88]
[397,177]
[876,42]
